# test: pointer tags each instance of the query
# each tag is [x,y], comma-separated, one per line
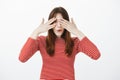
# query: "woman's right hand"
[43,27]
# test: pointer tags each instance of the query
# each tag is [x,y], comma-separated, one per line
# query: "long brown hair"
[50,39]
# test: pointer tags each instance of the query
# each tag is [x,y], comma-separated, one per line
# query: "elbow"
[97,56]
[21,59]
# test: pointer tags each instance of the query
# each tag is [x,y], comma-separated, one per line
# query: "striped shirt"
[58,67]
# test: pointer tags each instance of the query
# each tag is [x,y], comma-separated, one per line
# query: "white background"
[99,20]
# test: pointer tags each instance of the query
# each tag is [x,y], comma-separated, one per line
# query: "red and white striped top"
[59,66]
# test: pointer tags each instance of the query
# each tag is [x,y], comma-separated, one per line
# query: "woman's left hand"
[70,26]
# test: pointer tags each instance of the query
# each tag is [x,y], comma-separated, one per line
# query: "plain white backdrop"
[99,20]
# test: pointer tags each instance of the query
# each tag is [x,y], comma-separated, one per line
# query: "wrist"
[80,35]
[34,35]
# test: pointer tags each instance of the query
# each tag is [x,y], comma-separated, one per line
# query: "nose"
[58,24]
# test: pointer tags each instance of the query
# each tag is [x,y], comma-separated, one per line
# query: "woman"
[58,49]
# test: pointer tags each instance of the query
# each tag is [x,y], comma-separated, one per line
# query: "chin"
[58,35]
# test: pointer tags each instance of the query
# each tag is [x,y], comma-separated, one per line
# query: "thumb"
[42,21]
[72,21]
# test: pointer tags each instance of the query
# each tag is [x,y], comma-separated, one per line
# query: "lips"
[59,30]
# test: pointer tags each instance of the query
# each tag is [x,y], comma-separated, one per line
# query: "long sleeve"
[29,48]
[87,47]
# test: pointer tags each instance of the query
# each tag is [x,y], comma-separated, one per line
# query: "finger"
[42,21]
[52,26]
[65,20]
[51,20]
[72,21]
[64,23]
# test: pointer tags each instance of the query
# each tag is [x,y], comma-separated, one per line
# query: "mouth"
[59,30]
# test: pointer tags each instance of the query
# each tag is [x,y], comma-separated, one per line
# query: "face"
[58,29]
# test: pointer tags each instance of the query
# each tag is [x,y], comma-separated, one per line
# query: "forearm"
[29,48]
[89,48]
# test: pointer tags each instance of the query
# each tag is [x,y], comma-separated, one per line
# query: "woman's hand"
[43,27]
[71,27]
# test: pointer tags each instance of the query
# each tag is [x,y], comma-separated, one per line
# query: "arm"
[82,42]
[32,44]
[88,47]
[43,27]
[30,47]
[71,27]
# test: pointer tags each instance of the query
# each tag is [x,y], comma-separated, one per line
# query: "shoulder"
[74,38]
[77,40]
[41,39]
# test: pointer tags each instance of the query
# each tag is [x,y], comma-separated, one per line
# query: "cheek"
[63,30]
[54,28]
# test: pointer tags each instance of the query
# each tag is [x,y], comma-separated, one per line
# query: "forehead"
[59,16]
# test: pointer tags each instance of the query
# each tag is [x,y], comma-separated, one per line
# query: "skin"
[58,29]
[58,26]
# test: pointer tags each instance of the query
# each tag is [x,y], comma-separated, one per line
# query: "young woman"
[58,49]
